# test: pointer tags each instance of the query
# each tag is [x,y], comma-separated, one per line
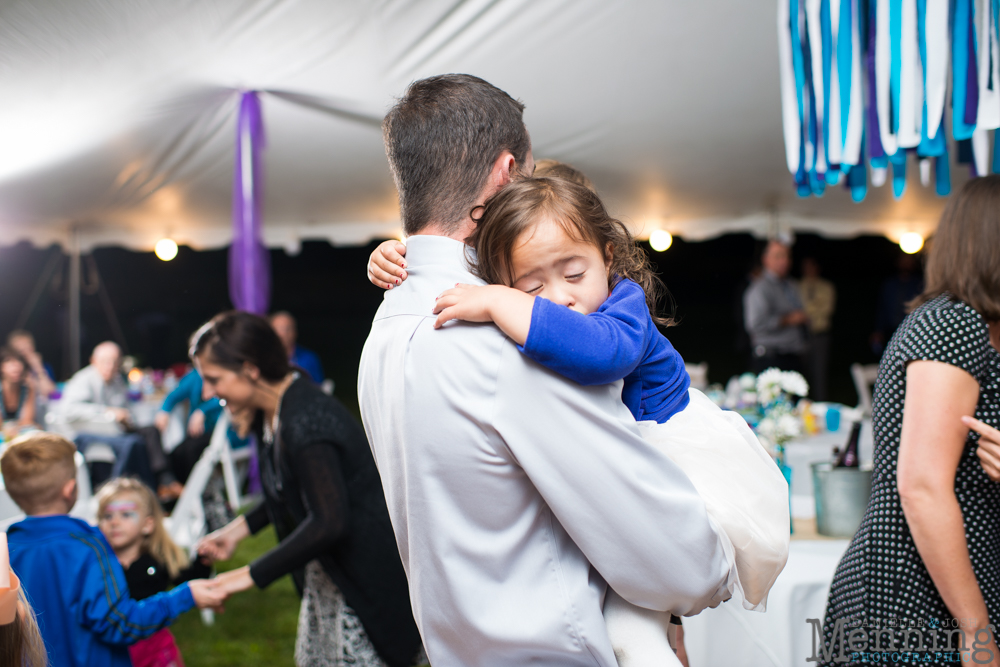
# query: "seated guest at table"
[928,546]
[202,417]
[23,343]
[287,329]
[18,404]
[98,393]
[773,315]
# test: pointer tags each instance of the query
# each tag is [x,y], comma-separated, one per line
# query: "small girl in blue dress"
[568,284]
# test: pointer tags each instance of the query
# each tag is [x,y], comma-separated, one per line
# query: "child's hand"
[208,594]
[386,266]
[465,302]
[509,308]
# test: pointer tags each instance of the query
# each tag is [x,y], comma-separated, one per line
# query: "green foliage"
[257,628]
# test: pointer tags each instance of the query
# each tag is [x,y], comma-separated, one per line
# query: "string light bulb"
[660,240]
[911,243]
[166,249]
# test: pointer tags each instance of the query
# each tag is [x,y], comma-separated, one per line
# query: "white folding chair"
[186,524]
[176,427]
[229,458]
[864,376]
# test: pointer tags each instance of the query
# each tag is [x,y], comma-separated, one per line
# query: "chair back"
[864,376]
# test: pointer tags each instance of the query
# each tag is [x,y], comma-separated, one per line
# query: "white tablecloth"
[730,636]
[801,453]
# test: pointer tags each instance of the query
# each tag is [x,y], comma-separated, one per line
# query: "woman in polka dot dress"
[927,555]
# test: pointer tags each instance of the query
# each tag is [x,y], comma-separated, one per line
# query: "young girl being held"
[130,517]
[570,287]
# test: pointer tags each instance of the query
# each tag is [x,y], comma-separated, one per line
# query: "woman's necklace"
[271,427]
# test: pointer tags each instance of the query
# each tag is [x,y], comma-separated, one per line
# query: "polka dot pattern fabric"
[881,579]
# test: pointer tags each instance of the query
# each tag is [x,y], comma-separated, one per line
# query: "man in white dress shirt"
[516,495]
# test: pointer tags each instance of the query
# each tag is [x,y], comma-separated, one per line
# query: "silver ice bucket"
[841,498]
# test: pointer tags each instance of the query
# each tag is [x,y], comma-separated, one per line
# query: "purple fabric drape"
[249,262]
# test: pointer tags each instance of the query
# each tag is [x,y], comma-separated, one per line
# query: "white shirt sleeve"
[632,512]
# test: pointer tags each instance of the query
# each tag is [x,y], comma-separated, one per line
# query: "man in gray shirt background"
[773,314]
[97,396]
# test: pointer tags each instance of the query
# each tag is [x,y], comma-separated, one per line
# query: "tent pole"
[109,309]
[74,300]
[54,262]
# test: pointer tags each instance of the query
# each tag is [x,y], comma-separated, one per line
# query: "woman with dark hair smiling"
[927,554]
[323,494]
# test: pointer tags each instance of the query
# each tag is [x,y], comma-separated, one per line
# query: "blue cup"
[833,419]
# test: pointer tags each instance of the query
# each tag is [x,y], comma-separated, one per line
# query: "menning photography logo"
[901,640]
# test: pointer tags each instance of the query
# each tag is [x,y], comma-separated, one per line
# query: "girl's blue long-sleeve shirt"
[189,389]
[618,341]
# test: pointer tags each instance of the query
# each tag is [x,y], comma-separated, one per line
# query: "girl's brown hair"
[522,204]
[964,258]
[21,643]
[158,543]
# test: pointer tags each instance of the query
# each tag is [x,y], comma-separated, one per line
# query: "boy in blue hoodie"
[68,570]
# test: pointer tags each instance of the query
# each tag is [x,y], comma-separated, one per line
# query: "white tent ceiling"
[118,116]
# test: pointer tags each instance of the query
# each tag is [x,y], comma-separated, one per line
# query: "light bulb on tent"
[911,243]
[660,240]
[166,249]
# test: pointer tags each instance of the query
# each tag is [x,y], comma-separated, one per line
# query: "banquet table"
[730,636]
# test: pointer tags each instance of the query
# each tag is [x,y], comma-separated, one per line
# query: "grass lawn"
[257,628]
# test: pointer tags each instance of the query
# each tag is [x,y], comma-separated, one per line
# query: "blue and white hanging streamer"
[864,82]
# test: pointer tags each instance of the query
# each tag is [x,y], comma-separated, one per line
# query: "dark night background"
[160,303]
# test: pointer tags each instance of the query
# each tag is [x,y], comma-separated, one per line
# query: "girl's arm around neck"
[508,308]
[602,347]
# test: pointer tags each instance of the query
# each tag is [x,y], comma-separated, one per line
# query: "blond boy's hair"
[35,468]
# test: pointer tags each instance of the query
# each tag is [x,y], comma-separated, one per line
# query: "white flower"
[769,386]
[747,381]
[788,426]
[793,383]
[768,428]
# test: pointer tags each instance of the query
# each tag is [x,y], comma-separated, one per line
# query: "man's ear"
[500,175]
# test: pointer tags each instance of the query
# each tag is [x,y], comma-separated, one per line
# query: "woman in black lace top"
[323,495]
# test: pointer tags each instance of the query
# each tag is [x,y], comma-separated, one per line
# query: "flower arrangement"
[775,392]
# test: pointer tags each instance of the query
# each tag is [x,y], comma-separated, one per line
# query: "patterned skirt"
[330,633]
